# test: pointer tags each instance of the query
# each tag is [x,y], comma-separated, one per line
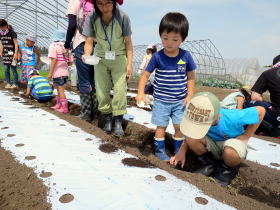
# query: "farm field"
[50,160]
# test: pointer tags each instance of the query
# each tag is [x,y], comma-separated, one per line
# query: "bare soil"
[255,186]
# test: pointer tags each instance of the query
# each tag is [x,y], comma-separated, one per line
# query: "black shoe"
[108,121]
[224,174]
[207,164]
[206,170]
[87,118]
[118,130]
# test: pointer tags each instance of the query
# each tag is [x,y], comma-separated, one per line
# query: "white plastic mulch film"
[94,179]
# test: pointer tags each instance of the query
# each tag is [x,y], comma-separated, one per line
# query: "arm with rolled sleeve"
[89,33]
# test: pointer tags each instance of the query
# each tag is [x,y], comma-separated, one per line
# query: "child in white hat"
[59,69]
[29,55]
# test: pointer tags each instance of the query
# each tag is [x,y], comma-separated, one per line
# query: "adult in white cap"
[212,131]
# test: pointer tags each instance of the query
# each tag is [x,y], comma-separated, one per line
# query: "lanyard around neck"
[107,38]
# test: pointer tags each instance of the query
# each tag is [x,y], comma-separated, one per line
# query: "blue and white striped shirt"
[170,83]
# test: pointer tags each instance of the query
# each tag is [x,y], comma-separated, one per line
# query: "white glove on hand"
[92,60]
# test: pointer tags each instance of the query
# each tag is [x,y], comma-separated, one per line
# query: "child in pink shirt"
[59,69]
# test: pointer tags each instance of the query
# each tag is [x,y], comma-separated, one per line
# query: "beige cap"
[201,111]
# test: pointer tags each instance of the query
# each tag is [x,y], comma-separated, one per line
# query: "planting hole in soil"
[14,99]
[160,178]
[45,174]
[30,157]
[202,201]
[108,148]
[275,164]
[133,162]
[19,145]
[66,198]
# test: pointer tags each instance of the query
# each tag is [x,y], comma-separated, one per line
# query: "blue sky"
[238,28]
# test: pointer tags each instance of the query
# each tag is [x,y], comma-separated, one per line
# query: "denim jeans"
[85,72]
[7,73]
[163,111]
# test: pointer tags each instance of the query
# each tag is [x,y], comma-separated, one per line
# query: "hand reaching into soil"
[179,157]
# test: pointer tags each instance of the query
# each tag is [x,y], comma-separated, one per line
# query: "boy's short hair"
[174,22]
[276,59]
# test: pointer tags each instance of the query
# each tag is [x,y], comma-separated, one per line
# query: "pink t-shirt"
[56,51]
[73,10]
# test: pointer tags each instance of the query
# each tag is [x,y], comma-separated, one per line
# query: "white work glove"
[92,60]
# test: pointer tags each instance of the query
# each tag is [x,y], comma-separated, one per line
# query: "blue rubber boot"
[177,143]
[160,149]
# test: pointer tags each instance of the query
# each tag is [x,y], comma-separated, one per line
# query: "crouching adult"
[269,81]
[212,131]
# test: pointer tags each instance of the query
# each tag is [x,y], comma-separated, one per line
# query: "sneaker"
[14,86]
[8,86]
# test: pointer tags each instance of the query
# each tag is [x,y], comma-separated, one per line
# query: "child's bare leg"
[231,157]
[60,91]
[160,132]
[178,138]
[178,133]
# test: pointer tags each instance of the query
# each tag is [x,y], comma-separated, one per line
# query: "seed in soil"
[61,125]
[160,178]
[19,145]
[202,201]
[66,198]
[30,157]
[51,119]
[89,139]
[107,148]
[133,162]
[146,123]
[273,145]
[74,131]
[4,128]
[11,135]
